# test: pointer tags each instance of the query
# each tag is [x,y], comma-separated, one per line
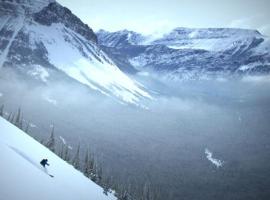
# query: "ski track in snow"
[209,155]
[26,157]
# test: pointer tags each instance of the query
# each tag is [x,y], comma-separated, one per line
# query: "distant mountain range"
[189,53]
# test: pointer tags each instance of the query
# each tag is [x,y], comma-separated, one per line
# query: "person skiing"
[44,162]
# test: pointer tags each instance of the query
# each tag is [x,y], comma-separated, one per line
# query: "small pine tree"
[86,167]
[21,122]
[2,111]
[18,119]
[51,141]
[66,156]
[42,142]
[99,174]
[76,159]
[12,118]
[61,151]
[27,127]
[93,176]
[147,195]
[91,163]
[9,117]
[106,184]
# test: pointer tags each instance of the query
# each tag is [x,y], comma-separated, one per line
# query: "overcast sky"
[152,16]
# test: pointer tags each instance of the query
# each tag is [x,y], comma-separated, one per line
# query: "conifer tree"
[9,117]
[18,119]
[51,141]
[27,127]
[61,151]
[99,174]
[12,118]
[2,111]
[76,159]
[66,156]
[86,167]
[21,122]
[147,195]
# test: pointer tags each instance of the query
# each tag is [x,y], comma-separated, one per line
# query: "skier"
[44,162]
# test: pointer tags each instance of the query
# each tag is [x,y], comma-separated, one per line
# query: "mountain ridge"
[191,53]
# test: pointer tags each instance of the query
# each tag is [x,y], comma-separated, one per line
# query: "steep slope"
[191,53]
[44,34]
[22,177]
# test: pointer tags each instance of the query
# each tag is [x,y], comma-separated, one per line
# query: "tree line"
[86,162]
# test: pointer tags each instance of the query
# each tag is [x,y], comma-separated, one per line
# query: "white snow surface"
[83,61]
[209,155]
[212,44]
[22,176]
[208,39]
[206,44]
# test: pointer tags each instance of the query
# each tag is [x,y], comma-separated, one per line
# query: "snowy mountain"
[22,176]
[190,53]
[42,39]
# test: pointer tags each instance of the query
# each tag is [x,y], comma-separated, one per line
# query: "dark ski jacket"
[44,162]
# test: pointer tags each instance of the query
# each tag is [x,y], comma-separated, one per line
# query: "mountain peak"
[30,6]
[55,13]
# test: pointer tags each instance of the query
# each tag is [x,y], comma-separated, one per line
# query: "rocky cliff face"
[55,13]
[191,53]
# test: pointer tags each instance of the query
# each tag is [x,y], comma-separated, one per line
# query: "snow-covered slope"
[211,39]
[22,176]
[120,38]
[46,35]
[191,53]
